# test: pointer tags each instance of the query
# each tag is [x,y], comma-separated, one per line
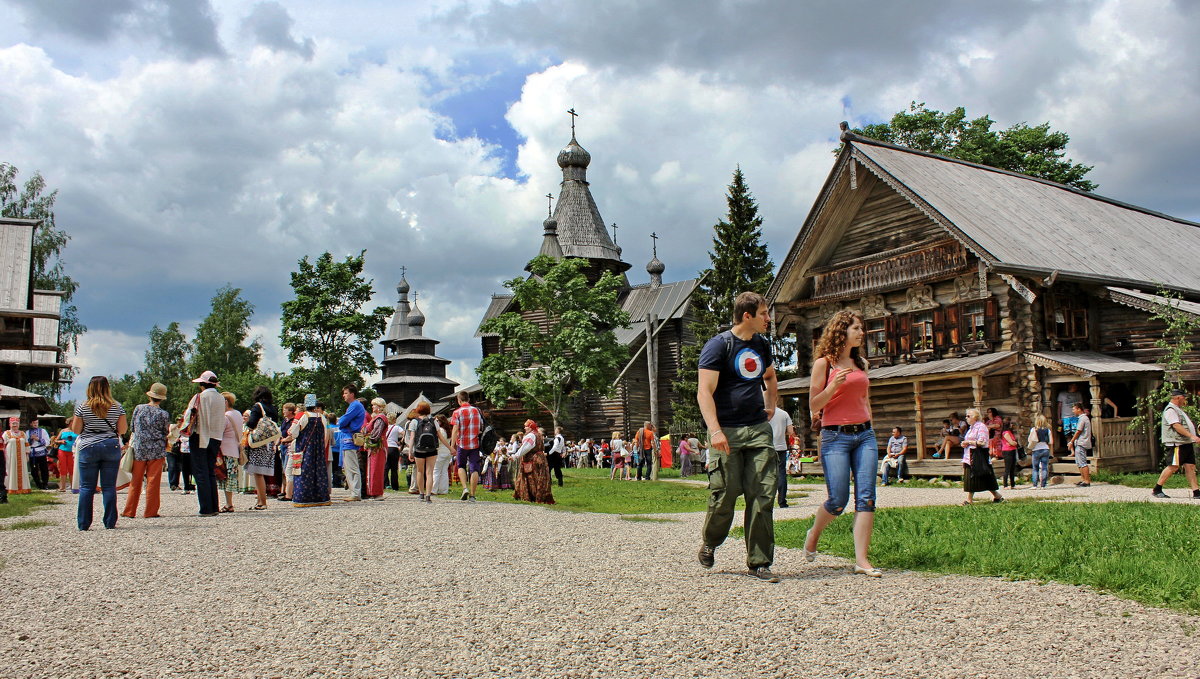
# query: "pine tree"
[739,263]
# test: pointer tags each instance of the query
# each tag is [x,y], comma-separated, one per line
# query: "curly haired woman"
[839,390]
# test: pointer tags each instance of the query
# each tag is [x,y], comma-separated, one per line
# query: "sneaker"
[1084,485]
[471,499]
[466,494]
[429,499]
[1159,493]
[707,556]
[765,573]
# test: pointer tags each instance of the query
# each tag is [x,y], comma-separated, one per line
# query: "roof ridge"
[852,138]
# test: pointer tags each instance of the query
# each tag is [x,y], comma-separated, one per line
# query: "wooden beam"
[29,313]
[919,406]
[977,390]
[1097,425]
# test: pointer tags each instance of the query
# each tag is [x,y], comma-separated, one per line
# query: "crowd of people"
[294,453]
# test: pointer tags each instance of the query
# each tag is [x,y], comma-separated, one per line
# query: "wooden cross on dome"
[403,270]
[614,226]
[549,204]
[574,115]
[654,238]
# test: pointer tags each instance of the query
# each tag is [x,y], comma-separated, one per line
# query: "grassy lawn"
[23,505]
[1140,480]
[589,490]
[1141,551]
[937,482]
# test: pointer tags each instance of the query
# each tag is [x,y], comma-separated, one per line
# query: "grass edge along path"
[24,504]
[1146,552]
[590,490]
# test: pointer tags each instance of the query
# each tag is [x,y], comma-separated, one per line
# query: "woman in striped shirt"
[100,422]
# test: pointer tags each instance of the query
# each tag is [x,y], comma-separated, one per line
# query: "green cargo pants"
[751,468]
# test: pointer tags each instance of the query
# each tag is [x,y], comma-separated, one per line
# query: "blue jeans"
[99,460]
[843,455]
[900,472]
[1041,467]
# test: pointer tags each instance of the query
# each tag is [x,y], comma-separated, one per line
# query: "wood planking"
[16,244]
[885,221]
[1137,331]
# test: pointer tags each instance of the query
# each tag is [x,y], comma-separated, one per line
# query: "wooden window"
[974,321]
[1066,317]
[922,331]
[877,337]
[903,332]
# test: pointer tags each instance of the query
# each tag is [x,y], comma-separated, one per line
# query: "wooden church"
[986,288]
[576,229]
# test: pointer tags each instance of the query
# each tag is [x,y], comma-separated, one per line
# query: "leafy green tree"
[1036,151]
[739,263]
[324,329]
[49,273]
[575,349]
[1176,344]
[220,339]
[168,353]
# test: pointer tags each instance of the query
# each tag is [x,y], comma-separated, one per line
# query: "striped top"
[97,429]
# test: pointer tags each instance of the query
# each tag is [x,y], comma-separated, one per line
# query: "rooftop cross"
[654,237]
[403,270]
[574,115]
[614,225]
[549,204]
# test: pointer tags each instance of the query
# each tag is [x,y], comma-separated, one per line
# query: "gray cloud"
[271,26]
[186,28]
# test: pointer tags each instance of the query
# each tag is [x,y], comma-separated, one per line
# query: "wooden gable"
[885,222]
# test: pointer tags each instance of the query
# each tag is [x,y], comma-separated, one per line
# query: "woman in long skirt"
[376,429]
[310,487]
[978,474]
[16,452]
[532,483]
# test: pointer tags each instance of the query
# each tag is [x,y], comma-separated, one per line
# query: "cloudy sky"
[199,142]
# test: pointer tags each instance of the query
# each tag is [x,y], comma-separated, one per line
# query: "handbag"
[219,468]
[265,432]
[127,459]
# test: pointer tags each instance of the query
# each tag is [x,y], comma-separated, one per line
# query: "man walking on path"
[348,425]
[1179,439]
[467,424]
[205,426]
[1081,443]
[781,432]
[734,368]
[645,450]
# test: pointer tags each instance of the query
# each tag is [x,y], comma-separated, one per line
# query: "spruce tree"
[739,263]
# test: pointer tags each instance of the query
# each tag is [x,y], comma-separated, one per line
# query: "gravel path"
[401,589]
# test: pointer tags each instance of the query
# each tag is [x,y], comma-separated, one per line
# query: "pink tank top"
[849,402]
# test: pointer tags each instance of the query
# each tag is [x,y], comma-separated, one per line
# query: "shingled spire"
[581,231]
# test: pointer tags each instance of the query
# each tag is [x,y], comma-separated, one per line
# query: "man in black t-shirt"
[735,367]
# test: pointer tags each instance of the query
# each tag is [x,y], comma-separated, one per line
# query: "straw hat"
[158,391]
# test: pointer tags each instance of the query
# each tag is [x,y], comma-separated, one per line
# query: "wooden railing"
[890,272]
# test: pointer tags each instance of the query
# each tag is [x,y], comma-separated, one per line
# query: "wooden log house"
[986,288]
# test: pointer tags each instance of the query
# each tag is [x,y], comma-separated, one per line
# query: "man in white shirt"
[1179,440]
[782,431]
[204,421]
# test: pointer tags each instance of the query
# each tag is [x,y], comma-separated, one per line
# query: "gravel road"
[402,589]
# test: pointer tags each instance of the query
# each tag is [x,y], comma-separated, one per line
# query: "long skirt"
[441,471]
[504,478]
[233,476]
[685,465]
[376,471]
[310,488]
[533,485]
[979,482]
[16,461]
[490,480]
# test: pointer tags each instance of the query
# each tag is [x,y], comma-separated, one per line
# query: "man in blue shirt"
[735,366]
[348,426]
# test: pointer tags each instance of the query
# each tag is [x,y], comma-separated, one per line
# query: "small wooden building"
[29,349]
[986,288]
[411,368]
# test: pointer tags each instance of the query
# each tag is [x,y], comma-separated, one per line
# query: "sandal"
[226,510]
[967,503]
[257,508]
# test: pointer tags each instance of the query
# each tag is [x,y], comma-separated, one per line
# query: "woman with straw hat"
[150,424]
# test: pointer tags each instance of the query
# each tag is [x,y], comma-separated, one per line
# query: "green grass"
[27,524]
[23,505]
[937,482]
[1140,551]
[1141,480]
[589,490]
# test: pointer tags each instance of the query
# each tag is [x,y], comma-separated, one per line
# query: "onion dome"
[656,267]
[574,155]
[402,288]
[416,319]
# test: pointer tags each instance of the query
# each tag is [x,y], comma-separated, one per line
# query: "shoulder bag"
[265,432]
